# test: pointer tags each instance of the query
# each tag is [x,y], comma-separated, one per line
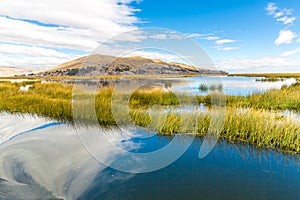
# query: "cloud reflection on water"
[51,162]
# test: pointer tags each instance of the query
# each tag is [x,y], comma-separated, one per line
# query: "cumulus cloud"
[70,24]
[22,32]
[13,49]
[285,16]
[31,62]
[32,56]
[112,16]
[285,37]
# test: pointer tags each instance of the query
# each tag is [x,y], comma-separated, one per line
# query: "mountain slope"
[98,65]
[11,71]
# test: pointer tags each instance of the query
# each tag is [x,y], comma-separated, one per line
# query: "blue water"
[229,172]
[237,86]
[42,159]
[55,162]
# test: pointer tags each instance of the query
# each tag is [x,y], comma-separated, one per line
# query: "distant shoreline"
[269,75]
[109,77]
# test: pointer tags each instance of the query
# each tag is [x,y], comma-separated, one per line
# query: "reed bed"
[259,127]
[247,118]
[46,100]
[287,98]
[270,79]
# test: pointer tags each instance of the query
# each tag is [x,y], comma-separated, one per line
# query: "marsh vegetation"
[255,119]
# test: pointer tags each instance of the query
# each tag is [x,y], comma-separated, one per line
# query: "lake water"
[43,159]
[231,85]
[237,86]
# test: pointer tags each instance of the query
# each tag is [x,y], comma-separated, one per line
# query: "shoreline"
[269,75]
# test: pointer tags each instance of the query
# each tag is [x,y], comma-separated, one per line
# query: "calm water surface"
[42,159]
[240,86]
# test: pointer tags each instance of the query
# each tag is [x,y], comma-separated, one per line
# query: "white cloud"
[285,37]
[32,56]
[30,51]
[104,15]
[70,24]
[224,41]
[286,20]
[221,42]
[290,53]
[271,8]
[27,33]
[32,62]
[196,35]
[212,38]
[159,36]
[282,15]
[166,35]
[217,40]
[209,36]
[279,14]
[221,48]
[155,55]
[262,64]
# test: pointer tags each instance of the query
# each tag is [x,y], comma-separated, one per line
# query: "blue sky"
[239,35]
[248,22]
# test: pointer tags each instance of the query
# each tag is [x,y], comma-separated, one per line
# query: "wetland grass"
[270,79]
[258,127]
[247,118]
[203,87]
[287,98]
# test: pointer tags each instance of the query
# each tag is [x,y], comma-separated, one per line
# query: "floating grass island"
[255,119]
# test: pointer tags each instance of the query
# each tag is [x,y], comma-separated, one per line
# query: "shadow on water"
[52,163]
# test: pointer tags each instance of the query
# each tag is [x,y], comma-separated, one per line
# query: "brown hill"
[97,65]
